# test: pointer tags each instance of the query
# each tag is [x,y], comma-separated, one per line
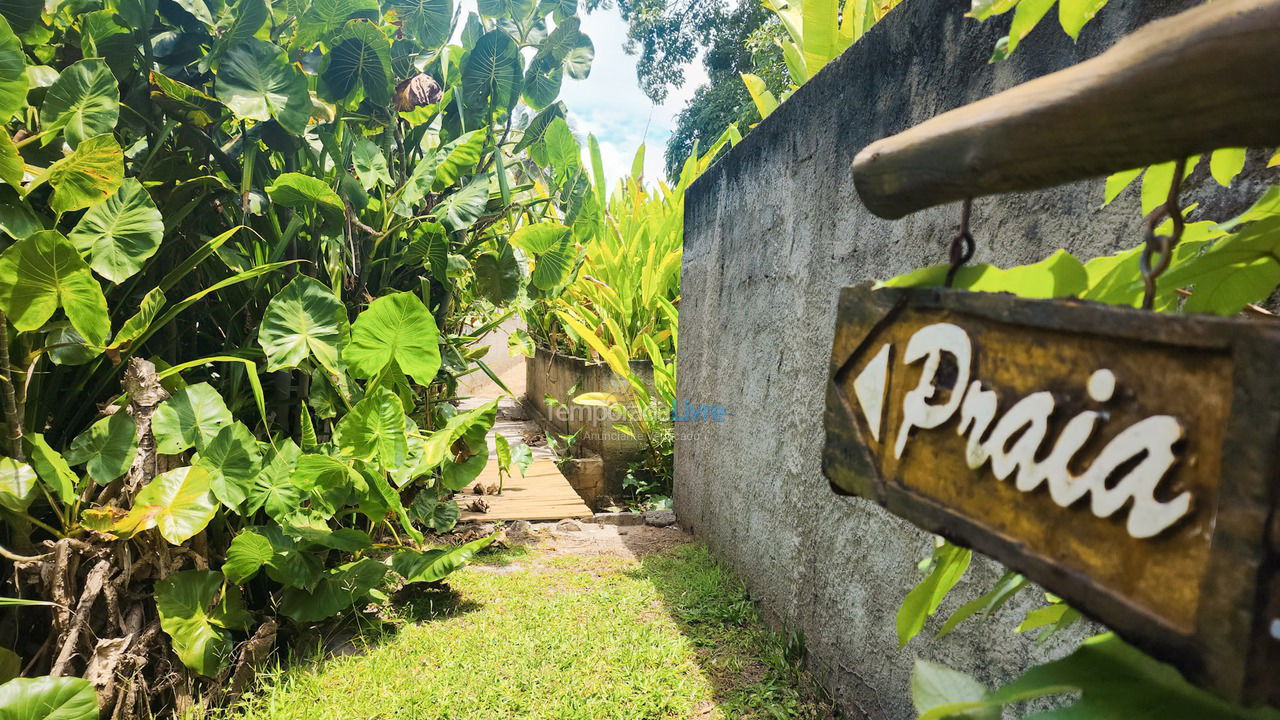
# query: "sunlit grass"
[566,637]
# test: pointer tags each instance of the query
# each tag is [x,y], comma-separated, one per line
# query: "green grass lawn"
[539,635]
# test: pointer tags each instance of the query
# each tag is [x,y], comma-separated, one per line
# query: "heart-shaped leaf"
[375,430]
[48,698]
[395,327]
[192,417]
[44,272]
[195,608]
[459,209]
[428,21]
[83,102]
[256,80]
[296,190]
[232,460]
[370,164]
[491,76]
[108,446]
[303,320]
[273,489]
[90,174]
[498,276]
[120,233]
[246,555]
[358,67]
[178,503]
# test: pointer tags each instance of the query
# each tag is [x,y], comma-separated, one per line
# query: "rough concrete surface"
[772,232]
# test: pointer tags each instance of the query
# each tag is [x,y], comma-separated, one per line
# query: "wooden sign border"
[1232,651]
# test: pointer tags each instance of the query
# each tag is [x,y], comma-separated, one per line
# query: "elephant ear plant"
[248,249]
[605,285]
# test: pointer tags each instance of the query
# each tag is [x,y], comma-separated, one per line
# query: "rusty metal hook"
[962,244]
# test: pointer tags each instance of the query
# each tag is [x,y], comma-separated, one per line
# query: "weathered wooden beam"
[1207,78]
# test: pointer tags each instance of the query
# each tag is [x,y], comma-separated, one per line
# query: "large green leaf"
[178,503]
[375,430]
[183,101]
[240,22]
[12,168]
[192,417]
[427,21]
[326,481]
[1110,678]
[17,485]
[491,76]
[498,276]
[458,158]
[196,609]
[273,490]
[108,446]
[90,174]
[395,327]
[298,190]
[303,320]
[138,323]
[52,468]
[44,272]
[48,698]
[552,247]
[569,48]
[370,164]
[248,552]
[83,102]
[13,71]
[459,209]
[257,81]
[119,234]
[338,590]
[232,460]
[435,565]
[935,687]
[325,17]
[358,67]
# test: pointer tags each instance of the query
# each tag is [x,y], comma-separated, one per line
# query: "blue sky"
[610,104]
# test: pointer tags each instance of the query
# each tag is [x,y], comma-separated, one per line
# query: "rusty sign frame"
[1234,648]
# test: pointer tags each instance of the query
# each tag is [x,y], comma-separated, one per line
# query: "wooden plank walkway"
[542,494]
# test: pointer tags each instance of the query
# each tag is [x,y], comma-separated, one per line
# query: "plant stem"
[10,400]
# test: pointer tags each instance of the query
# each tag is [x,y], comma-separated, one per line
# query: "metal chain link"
[1162,245]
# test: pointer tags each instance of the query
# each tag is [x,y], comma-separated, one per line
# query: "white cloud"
[610,105]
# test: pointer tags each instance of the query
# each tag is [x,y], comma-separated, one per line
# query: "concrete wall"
[771,233]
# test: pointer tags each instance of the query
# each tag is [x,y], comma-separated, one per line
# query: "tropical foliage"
[249,250]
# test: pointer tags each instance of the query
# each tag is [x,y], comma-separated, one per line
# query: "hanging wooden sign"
[1126,461]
